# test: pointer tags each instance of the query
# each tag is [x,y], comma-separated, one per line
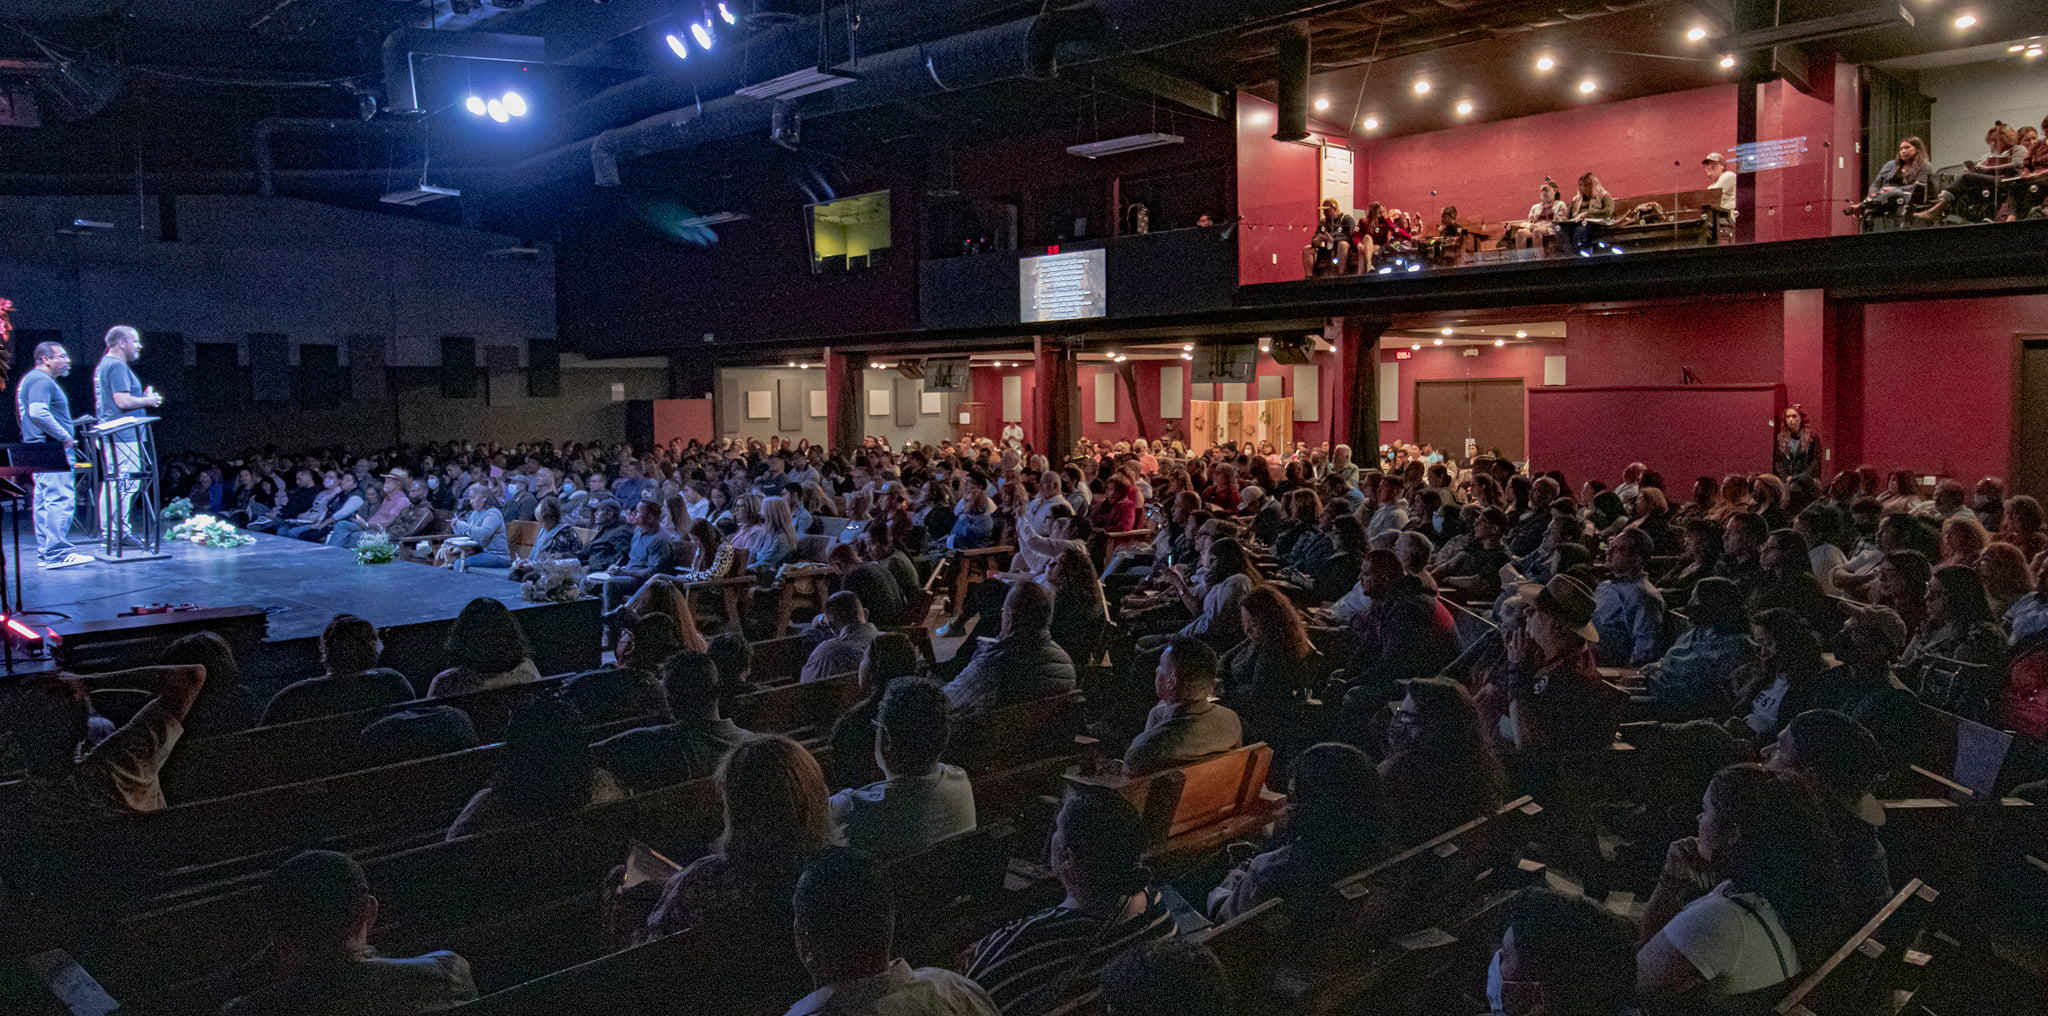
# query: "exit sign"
[1404,354]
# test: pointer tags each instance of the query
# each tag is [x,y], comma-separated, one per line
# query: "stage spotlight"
[701,31]
[475,105]
[1439,342]
[497,111]
[1500,342]
[515,104]
[1545,63]
[725,12]
[1465,109]
[1446,331]
[681,48]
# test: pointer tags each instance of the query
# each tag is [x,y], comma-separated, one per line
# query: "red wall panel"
[1936,392]
[1681,431]
[1279,185]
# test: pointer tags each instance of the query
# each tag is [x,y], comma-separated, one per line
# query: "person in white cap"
[1724,181]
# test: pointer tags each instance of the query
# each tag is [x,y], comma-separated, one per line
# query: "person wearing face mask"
[345,504]
[1562,956]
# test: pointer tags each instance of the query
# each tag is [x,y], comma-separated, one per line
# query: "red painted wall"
[1279,185]
[1732,340]
[1432,363]
[1681,432]
[1936,393]
[1493,170]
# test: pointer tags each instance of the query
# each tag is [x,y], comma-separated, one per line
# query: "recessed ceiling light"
[1696,33]
[1728,62]
[1465,108]
[1587,86]
[1446,331]
[2016,47]
[2032,53]
[1422,86]
[1187,348]
[1439,342]
[1966,20]
[1500,342]
[1544,63]
[1322,104]
[1416,346]
[1372,123]
[1521,335]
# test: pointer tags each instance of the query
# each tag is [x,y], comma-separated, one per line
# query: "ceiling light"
[1416,346]
[1439,342]
[1187,348]
[515,104]
[792,363]
[2032,53]
[1545,63]
[1372,123]
[1696,33]
[2016,47]
[1422,86]
[1465,108]
[701,31]
[1587,86]
[799,83]
[1187,356]
[1322,104]
[1728,62]
[475,105]
[681,48]
[1966,20]
[1500,342]
[1521,335]
[1128,143]
[725,12]
[1447,331]
[496,109]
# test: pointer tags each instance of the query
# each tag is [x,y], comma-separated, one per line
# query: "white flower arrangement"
[208,531]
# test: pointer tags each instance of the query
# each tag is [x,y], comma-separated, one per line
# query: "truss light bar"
[799,83]
[1118,146]
[713,219]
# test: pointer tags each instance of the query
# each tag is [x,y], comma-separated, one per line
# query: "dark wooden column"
[1355,414]
[842,400]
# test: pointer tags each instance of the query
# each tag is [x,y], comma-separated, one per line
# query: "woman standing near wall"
[1798,451]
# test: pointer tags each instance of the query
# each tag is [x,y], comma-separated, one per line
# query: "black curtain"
[1894,110]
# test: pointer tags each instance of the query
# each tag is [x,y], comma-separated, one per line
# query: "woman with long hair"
[546,769]
[1079,610]
[1962,540]
[493,650]
[1591,208]
[1440,769]
[737,898]
[664,594]
[1780,684]
[777,543]
[1747,905]
[2006,578]
[1957,660]
[747,514]
[2004,158]
[1893,188]
[1274,667]
[710,553]
[1227,577]
[1336,825]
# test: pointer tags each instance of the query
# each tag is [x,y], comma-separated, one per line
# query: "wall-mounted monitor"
[948,375]
[1225,363]
[848,232]
[1061,287]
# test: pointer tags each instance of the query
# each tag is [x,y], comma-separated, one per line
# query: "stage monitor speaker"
[543,368]
[458,367]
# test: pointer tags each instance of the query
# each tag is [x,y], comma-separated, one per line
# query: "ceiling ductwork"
[268,129]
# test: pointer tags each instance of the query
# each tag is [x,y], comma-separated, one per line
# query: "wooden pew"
[780,660]
[1017,734]
[1199,807]
[1242,944]
[520,537]
[1877,969]
[796,707]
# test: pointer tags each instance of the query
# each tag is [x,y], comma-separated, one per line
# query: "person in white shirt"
[1723,180]
[846,936]
[1013,434]
[920,800]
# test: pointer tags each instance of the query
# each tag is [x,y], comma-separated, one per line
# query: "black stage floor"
[302,586]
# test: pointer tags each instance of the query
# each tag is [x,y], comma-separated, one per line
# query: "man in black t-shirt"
[1332,242]
[118,393]
[45,416]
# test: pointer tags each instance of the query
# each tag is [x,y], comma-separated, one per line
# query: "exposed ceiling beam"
[1148,77]
[1816,29]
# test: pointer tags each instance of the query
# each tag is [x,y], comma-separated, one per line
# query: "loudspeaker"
[543,368]
[1291,63]
[1294,350]
[458,367]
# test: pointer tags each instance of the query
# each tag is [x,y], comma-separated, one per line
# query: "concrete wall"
[1968,99]
[735,382]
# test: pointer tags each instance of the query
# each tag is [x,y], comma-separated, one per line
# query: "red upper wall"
[1731,340]
[1937,384]
[1279,186]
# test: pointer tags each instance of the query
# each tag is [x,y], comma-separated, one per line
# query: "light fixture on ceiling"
[1728,61]
[1545,63]
[1422,86]
[1187,356]
[1439,342]
[496,109]
[1128,143]
[1966,20]
[725,12]
[701,31]
[1372,123]
[2016,47]
[2032,53]
[1695,33]
[1446,331]
[799,83]
[1521,335]
[1322,104]
[1465,108]
[1587,86]
[678,46]
[1416,346]
[475,105]
[1500,342]
[1188,348]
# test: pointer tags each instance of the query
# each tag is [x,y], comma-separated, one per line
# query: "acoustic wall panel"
[1308,390]
[1105,396]
[1013,398]
[1173,396]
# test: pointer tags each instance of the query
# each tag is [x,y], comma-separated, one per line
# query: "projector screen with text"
[1061,287]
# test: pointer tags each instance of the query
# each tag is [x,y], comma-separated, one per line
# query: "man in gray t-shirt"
[45,416]
[118,393]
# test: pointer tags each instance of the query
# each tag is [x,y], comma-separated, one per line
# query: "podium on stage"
[120,485]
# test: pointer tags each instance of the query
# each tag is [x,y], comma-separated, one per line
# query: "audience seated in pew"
[1863,687]
[687,747]
[225,704]
[1032,965]
[1268,678]
[632,688]
[1440,769]
[320,963]
[1166,977]
[493,649]
[919,800]
[870,582]
[845,932]
[1958,658]
[1187,724]
[547,769]
[1627,610]
[1562,954]
[1405,634]
[851,635]
[1337,823]
[890,657]
[351,679]
[1780,683]
[1696,676]
[1843,763]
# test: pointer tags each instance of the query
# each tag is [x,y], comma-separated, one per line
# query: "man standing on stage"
[45,415]
[117,392]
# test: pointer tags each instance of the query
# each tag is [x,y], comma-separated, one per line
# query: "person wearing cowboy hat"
[1556,701]
[1842,762]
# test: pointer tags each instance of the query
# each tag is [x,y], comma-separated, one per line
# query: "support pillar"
[1055,400]
[1823,372]
[1355,409]
[842,400]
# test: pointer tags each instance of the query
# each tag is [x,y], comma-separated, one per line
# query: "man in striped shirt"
[1033,965]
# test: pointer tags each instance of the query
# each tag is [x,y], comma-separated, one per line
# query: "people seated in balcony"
[1975,195]
[1722,179]
[1375,233]
[1590,209]
[1544,217]
[1893,188]
[1330,249]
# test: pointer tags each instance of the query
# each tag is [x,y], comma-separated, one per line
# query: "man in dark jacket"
[1407,633]
[1024,664]
[613,540]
